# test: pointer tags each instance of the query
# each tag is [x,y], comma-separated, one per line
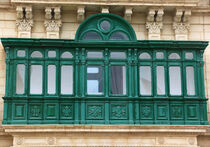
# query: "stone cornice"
[115,2]
[106,128]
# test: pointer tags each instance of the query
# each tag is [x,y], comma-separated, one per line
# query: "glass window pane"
[174,56]
[66,55]
[189,55]
[20,79]
[94,80]
[190,80]
[117,55]
[36,54]
[144,56]
[51,79]
[95,54]
[52,54]
[105,25]
[91,36]
[145,80]
[175,80]
[66,79]
[36,79]
[159,55]
[118,80]
[21,53]
[119,36]
[160,80]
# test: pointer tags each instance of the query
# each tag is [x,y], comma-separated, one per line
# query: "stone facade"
[161,20]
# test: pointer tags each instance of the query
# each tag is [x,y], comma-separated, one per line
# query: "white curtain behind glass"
[160,80]
[36,79]
[66,79]
[51,79]
[175,80]
[145,80]
[20,79]
[190,80]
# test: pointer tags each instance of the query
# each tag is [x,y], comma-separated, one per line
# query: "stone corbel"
[80,13]
[181,23]
[24,21]
[154,23]
[53,21]
[128,14]
[105,10]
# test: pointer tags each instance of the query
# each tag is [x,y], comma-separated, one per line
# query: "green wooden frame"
[80,108]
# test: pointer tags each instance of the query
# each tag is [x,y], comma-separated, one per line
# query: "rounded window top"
[105,27]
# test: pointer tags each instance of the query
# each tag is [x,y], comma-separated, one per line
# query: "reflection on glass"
[145,80]
[118,80]
[189,55]
[159,55]
[20,79]
[66,79]
[94,80]
[36,54]
[105,25]
[119,36]
[66,55]
[21,53]
[52,54]
[144,56]
[160,80]
[117,55]
[175,80]
[51,79]
[36,79]
[95,54]
[91,36]
[190,80]
[174,56]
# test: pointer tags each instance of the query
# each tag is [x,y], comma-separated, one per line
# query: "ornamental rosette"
[52,25]
[181,28]
[24,24]
[154,27]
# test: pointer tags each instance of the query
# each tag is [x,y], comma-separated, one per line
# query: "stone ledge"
[106,128]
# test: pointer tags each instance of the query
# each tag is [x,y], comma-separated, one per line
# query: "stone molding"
[104,9]
[116,2]
[24,21]
[104,135]
[106,128]
[53,21]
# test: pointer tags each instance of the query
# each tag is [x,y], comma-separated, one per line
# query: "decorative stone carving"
[19,140]
[51,140]
[191,140]
[80,13]
[53,21]
[128,14]
[181,24]
[154,23]
[105,10]
[160,140]
[24,21]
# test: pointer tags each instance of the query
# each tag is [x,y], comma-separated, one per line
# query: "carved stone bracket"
[181,23]
[154,23]
[80,13]
[53,21]
[128,14]
[24,21]
[105,10]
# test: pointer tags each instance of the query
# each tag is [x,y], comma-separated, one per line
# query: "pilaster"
[181,23]
[154,23]
[52,21]
[24,21]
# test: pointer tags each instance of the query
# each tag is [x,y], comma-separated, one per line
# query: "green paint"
[81,108]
